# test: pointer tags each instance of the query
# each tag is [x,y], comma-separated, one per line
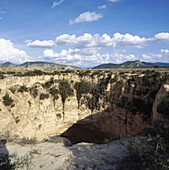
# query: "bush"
[48,84]
[152,153]
[7,100]
[23,89]
[34,73]
[54,92]
[43,96]
[65,91]
[81,88]
[34,91]
[163,107]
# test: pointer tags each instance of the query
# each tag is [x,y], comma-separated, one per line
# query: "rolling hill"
[131,64]
[38,64]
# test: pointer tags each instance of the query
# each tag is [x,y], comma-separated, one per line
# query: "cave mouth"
[81,133]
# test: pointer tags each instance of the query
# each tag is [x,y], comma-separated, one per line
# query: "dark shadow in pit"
[4,156]
[96,128]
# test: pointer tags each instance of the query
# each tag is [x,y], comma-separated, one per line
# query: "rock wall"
[30,117]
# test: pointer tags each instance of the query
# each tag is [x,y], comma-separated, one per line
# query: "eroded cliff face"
[119,104]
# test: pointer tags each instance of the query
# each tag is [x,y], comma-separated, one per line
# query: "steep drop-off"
[80,105]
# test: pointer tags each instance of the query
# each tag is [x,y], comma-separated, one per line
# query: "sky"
[84,33]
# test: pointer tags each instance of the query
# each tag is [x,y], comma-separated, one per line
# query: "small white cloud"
[2,12]
[162,36]
[113,0]
[146,57]
[166,51]
[9,53]
[40,44]
[0,18]
[102,7]
[28,41]
[86,17]
[150,57]
[56,3]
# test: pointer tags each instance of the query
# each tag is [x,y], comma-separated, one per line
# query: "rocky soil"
[57,156]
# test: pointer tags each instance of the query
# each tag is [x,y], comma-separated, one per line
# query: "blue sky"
[84,33]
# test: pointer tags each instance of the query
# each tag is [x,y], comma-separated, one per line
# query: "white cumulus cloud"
[162,36]
[128,40]
[69,54]
[9,53]
[40,44]
[86,17]
[55,3]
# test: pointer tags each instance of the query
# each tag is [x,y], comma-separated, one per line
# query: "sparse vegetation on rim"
[7,100]
[65,91]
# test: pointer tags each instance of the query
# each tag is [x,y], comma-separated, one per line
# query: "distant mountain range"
[49,65]
[132,64]
[38,64]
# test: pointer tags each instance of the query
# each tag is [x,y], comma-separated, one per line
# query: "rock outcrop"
[119,104]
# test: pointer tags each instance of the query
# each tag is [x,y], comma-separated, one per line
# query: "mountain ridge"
[131,64]
[38,64]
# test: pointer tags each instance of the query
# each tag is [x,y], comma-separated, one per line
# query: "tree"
[81,88]
[65,91]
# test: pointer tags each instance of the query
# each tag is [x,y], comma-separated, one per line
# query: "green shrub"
[7,100]
[65,91]
[43,96]
[34,91]
[17,120]
[23,89]
[54,92]
[48,83]
[152,153]
[163,107]
[34,73]
[81,88]
[1,75]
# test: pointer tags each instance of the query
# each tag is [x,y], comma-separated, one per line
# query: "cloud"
[162,36]
[40,44]
[129,40]
[78,57]
[102,7]
[69,54]
[56,3]
[86,17]
[0,18]
[150,57]
[9,53]
[2,12]
[84,41]
[113,0]
[165,51]
[146,56]
[87,40]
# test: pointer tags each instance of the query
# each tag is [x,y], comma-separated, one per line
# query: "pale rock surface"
[55,156]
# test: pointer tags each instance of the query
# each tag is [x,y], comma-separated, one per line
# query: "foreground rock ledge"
[56,156]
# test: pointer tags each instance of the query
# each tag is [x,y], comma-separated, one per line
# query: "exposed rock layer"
[30,117]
